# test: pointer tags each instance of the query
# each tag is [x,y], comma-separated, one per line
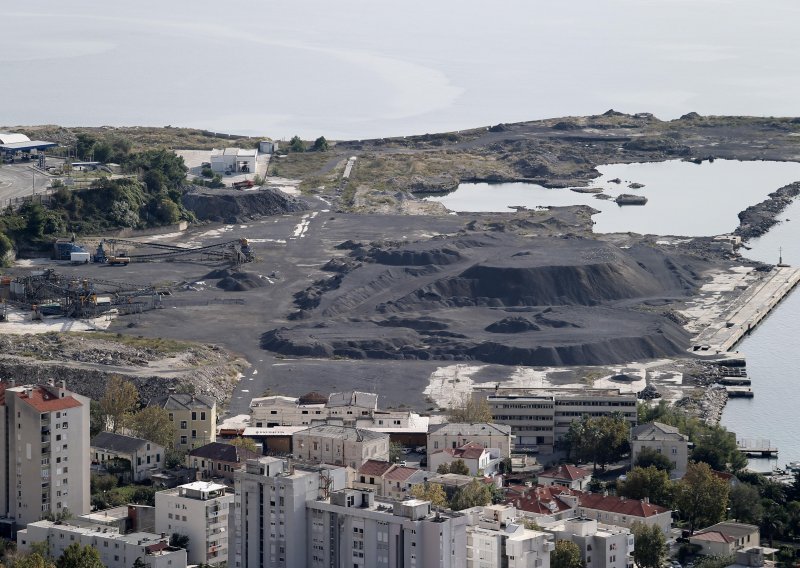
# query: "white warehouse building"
[234,160]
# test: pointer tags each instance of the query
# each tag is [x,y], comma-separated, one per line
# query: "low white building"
[495,540]
[566,476]
[234,160]
[456,434]
[725,538]
[200,511]
[116,550]
[479,460]
[340,445]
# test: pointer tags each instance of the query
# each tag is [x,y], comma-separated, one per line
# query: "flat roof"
[30,145]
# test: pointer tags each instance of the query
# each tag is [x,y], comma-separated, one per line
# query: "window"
[194,434]
[171,417]
[202,416]
[194,416]
[183,440]
[184,425]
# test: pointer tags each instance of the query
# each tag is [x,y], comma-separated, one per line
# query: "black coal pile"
[237,280]
[497,298]
[233,206]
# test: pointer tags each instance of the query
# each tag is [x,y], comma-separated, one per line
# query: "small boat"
[793,466]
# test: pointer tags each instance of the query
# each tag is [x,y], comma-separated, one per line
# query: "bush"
[207,172]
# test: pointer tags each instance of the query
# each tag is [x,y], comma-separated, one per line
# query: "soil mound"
[515,324]
[233,206]
[419,257]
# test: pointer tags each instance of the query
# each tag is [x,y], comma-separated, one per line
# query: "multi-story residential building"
[665,440]
[272,411]
[456,434]
[622,512]
[566,476]
[194,417]
[399,480]
[340,445]
[540,418]
[270,511]
[543,504]
[116,550]
[370,476]
[479,460]
[144,457]
[44,457]
[219,460]
[601,546]
[199,510]
[352,528]
[496,540]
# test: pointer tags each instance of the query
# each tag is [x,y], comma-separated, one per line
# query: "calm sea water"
[683,198]
[356,69]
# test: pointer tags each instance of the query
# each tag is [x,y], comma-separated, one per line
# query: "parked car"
[421,449]
[406,451]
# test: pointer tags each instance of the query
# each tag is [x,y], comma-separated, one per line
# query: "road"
[16,180]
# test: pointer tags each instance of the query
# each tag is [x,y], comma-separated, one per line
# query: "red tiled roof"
[620,505]
[713,536]
[539,499]
[374,467]
[566,472]
[469,451]
[400,473]
[43,401]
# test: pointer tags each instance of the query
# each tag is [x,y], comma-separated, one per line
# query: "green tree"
[179,540]
[470,411]
[6,246]
[395,451]
[97,418]
[32,560]
[432,492]
[717,447]
[119,401]
[459,467]
[443,468]
[153,423]
[701,496]
[651,546]
[77,556]
[84,144]
[297,145]
[35,215]
[566,555]
[102,151]
[474,494]
[745,503]
[647,483]
[320,145]
[649,456]
[139,563]
[599,440]
[246,443]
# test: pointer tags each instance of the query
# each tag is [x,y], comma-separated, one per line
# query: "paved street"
[16,180]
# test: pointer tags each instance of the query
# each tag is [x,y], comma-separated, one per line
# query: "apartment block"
[270,510]
[116,550]
[496,540]
[44,457]
[199,510]
[540,418]
[601,546]
[194,417]
[352,528]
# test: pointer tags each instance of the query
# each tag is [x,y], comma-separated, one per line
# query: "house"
[725,538]
[135,458]
[234,160]
[398,481]
[455,434]
[194,417]
[665,440]
[370,476]
[479,460]
[218,460]
[553,502]
[622,512]
[340,445]
[451,482]
[566,476]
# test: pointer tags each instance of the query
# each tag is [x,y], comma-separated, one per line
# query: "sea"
[353,69]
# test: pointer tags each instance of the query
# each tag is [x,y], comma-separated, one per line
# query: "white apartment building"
[662,439]
[116,550]
[540,418]
[352,528]
[495,540]
[340,445]
[457,434]
[601,546]
[44,451]
[199,510]
[270,511]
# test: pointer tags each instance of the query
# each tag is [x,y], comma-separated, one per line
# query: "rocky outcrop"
[758,219]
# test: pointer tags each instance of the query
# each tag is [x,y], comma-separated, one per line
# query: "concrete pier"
[746,313]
